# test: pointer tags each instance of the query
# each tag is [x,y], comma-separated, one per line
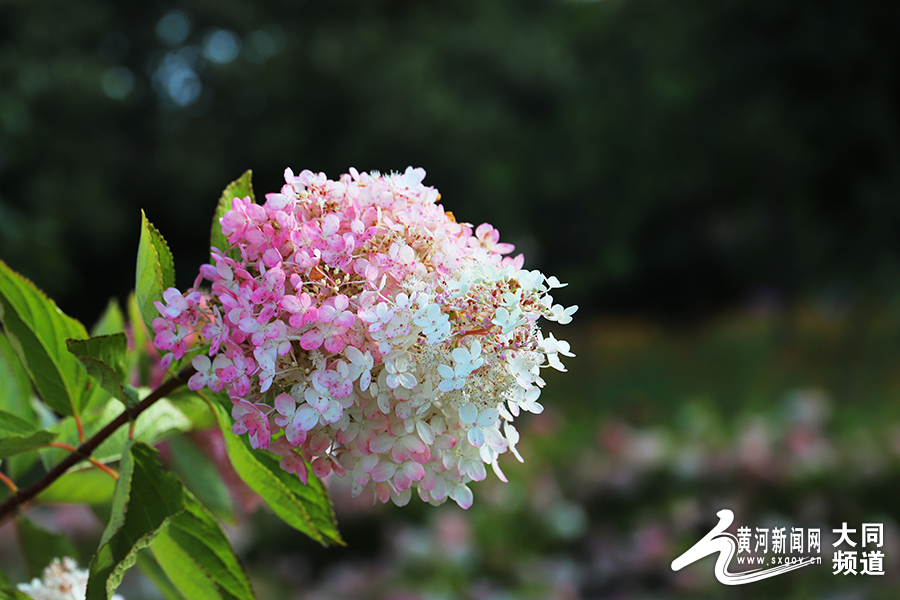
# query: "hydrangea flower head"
[360,329]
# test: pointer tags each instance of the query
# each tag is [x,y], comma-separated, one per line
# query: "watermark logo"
[727,545]
[871,562]
[789,550]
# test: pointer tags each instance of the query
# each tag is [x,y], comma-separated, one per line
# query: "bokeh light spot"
[173,28]
[221,46]
[117,83]
[176,80]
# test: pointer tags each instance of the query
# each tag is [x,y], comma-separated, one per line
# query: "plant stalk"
[83,452]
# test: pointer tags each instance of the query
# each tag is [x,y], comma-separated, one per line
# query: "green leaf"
[37,330]
[97,400]
[121,495]
[111,321]
[18,435]
[306,508]
[155,271]
[15,386]
[239,188]
[103,357]
[152,571]
[21,464]
[194,408]
[145,500]
[201,476]
[41,546]
[199,548]
[162,420]
[182,570]
[313,496]
[83,486]
[16,398]
[138,356]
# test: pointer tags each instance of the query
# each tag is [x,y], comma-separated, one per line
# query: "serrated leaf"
[111,321]
[306,508]
[15,386]
[182,570]
[18,435]
[155,271]
[239,188]
[201,476]
[138,356]
[82,486]
[152,571]
[41,546]
[15,398]
[121,496]
[200,537]
[313,496]
[103,357]
[166,260]
[38,330]
[146,499]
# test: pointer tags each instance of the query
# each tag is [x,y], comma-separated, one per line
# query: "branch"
[83,452]
[91,459]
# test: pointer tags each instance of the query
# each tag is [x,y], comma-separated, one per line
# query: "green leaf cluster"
[38,331]
[60,386]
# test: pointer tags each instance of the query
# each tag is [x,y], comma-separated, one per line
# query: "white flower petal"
[476,437]
[468,413]
[487,417]
[306,418]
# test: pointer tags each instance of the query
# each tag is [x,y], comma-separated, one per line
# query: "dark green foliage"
[146,498]
[200,475]
[103,357]
[197,556]
[668,156]
[37,330]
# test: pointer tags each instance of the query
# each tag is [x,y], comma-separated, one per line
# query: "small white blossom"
[62,580]
[554,347]
[561,315]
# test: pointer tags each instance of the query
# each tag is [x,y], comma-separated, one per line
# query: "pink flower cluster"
[358,328]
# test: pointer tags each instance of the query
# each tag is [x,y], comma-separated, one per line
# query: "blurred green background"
[719,183]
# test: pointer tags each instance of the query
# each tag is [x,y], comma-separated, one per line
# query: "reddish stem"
[80,427]
[9,483]
[90,459]
[84,450]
